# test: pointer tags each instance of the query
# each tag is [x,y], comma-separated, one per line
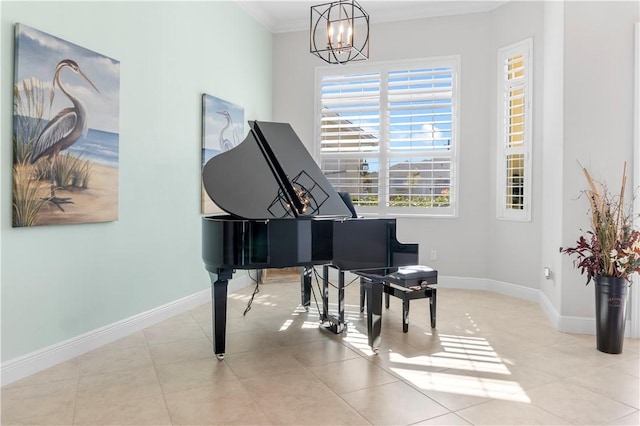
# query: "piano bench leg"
[406,297]
[432,308]
[405,314]
[374,313]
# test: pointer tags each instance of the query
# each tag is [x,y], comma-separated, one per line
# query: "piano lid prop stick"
[277,170]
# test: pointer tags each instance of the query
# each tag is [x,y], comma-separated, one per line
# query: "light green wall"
[61,281]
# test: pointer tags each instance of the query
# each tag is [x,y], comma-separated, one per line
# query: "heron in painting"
[64,129]
[226,144]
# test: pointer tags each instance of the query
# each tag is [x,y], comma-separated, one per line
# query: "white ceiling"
[293,15]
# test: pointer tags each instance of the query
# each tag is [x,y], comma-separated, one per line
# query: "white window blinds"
[514,131]
[387,135]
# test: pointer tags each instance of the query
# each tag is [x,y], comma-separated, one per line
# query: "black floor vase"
[611,307]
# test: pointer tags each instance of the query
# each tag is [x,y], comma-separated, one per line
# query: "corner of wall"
[552,157]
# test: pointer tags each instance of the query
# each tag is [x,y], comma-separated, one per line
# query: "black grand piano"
[282,212]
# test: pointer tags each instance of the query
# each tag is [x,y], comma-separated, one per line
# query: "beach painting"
[65,132]
[222,129]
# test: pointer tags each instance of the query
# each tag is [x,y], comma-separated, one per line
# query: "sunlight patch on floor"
[262,299]
[481,368]
[357,340]
[473,323]
[286,325]
[442,360]
[472,354]
[306,325]
[309,324]
[297,312]
[465,385]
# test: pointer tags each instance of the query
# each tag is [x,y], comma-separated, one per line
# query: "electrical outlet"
[434,254]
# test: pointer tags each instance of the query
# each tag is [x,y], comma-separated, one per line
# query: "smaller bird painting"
[63,130]
[225,143]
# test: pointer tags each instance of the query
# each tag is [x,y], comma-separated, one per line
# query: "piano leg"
[305,286]
[219,309]
[362,294]
[325,293]
[342,323]
[374,312]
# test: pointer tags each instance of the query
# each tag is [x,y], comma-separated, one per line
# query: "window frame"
[383,68]
[505,87]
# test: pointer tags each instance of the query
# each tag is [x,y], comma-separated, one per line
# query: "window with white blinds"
[387,134]
[514,131]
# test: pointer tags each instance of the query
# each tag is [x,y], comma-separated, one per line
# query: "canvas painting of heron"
[65,132]
[222,129]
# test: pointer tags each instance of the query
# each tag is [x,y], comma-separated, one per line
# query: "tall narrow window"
[514,131]
[387,135]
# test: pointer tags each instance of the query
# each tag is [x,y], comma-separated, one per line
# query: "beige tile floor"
[492,360]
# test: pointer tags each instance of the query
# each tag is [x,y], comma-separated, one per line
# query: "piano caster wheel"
[220,357]
[375,350]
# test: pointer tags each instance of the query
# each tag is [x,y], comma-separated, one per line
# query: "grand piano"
[282,212]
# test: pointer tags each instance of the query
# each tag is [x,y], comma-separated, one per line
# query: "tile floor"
[492,360]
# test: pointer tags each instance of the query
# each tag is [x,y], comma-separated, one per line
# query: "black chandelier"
[339,32]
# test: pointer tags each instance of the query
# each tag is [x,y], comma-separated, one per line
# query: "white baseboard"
[500,287]
[31,363]
[549,309]
[563,323]
[585,325]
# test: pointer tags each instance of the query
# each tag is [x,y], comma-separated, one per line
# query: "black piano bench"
[408,283]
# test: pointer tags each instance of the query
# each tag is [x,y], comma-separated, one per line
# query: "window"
[387,133]
[514,131]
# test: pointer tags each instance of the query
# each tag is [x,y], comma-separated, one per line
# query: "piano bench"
[408,283]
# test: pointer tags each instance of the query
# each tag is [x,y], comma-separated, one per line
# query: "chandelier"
[339,32]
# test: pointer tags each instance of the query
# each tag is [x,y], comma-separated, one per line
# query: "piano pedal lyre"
[334,325]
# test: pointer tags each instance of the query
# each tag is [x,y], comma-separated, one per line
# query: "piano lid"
[271,175]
